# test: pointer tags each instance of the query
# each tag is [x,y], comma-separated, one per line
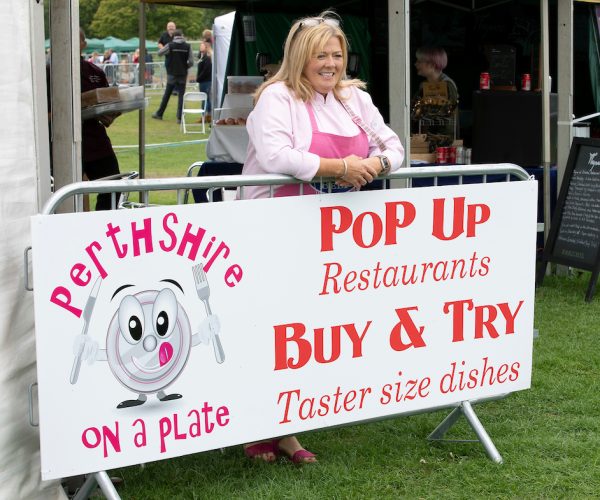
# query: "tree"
[87,10]
[115,17]
[120,18]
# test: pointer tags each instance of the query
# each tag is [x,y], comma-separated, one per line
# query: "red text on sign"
[339,219]
[477,213]
[293,350]
[297,405]
[484,318]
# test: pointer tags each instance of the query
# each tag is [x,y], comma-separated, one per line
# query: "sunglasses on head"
[311,22]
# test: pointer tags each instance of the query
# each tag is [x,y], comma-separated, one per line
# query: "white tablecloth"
[238,101]
[227,143]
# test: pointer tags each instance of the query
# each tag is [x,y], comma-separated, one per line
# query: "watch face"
[385,164]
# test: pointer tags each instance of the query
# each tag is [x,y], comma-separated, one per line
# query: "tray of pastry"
[113,107]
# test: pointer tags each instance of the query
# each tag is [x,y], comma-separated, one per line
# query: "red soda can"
[526,81]
[451,155]
[484,81]
[442,155]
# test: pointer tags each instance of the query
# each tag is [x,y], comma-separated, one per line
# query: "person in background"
[430,64]
[309,121]
[167,36]
[178,58]
[110,63]
[97,154]
[113,57]
[149,67]
[207,36]
[204,74]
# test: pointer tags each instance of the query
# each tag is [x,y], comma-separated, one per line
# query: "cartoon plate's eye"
[164,312]
[131,319]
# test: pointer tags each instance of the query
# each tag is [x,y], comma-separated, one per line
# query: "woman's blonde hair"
[307,37]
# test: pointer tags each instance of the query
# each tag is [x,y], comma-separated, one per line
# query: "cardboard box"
[438,89]
[428,157]
[418,138]
[243,84]
[100,96]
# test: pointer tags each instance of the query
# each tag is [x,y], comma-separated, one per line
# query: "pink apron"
[327,146]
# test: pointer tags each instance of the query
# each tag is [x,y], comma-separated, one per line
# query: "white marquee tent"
[23,150]
[25,185]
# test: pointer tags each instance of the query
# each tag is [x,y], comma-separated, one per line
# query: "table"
[507,127]
[228,143]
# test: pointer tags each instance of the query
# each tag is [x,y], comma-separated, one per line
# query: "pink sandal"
[255,451]
[298,458]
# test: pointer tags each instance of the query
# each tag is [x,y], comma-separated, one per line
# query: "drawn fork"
[203,291]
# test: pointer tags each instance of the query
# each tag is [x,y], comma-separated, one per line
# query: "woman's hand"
[360,172]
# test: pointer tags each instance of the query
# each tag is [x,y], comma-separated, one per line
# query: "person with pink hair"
[430,64]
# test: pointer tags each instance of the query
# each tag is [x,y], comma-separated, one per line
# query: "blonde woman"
[309,121]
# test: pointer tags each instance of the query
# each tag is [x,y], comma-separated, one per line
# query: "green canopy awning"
[118,45]
[150,45]
[93,45]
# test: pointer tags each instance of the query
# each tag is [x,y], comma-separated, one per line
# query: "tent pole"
[544,75]
[142,81]
[399,73]
[565,87]
[65,94]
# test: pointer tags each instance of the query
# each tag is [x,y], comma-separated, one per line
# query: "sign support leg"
[103,481]
[483,437]
[592,286]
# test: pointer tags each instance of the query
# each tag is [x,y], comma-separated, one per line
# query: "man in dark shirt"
[167,36]
[97,155]
[178,58]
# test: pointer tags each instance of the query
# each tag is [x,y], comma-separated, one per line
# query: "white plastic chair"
[194,104]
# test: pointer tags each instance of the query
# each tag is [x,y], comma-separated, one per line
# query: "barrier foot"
[100,479]
[483,437]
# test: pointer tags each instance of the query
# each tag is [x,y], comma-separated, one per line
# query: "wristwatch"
[386,166]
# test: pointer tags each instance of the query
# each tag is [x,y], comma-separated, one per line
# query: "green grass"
[549,437]
[166,161]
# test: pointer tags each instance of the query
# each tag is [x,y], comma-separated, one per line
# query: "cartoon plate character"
[148,343]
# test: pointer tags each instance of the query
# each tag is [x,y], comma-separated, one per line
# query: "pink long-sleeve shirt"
[280,133]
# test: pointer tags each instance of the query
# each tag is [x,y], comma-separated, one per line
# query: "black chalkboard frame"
[549,254]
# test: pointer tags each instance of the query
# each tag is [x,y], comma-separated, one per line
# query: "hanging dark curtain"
[594,54]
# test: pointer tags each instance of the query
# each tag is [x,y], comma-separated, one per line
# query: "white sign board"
[319,311]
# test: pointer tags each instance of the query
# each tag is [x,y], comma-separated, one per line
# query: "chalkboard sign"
[574,237]
[501,62]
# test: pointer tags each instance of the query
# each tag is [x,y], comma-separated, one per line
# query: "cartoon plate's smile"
[165,354]
[149,340]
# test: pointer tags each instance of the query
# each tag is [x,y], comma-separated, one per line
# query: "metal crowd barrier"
[129,74]
[145,186]
[182,184]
